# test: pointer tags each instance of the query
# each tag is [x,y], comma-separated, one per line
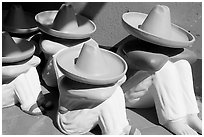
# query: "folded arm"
[147,61]
[10,72]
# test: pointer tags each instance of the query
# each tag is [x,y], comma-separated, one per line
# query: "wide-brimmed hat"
[16,20]
[15,49]
[156,27]
[50,45]
[91,64]
[64,23]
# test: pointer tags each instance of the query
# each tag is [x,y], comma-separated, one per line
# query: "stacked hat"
[65,23]
[65,28]
[156,27]
[18,21]
[91,64]
[15,49]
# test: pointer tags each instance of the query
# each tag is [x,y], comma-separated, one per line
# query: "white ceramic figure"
[65,23]
[82,106]
[91,64]
[15,49]
[156,27]
[50,48]
[165,66]
[19,21]
[20,80]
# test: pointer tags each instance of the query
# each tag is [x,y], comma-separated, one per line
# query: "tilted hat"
[156,27]
[15,49]
[91,64]
[18,21]
[64,23]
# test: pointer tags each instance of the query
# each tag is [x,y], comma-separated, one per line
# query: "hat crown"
[65,19]
[16,17]
[9,46]
[158,22]
[91,60]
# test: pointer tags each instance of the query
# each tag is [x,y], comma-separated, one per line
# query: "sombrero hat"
[156,27]
[50,45]
[91,64]
[65,23]
[15,49]
[16,20]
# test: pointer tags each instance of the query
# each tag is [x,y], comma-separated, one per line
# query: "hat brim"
[31,21]
[45,20]
[50,45]
[27,49]
[66,63]
[132,20]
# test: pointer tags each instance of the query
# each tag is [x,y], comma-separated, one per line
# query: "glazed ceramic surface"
[23,27]
[27,49]
[180,37]
[66,63]
[45,22]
